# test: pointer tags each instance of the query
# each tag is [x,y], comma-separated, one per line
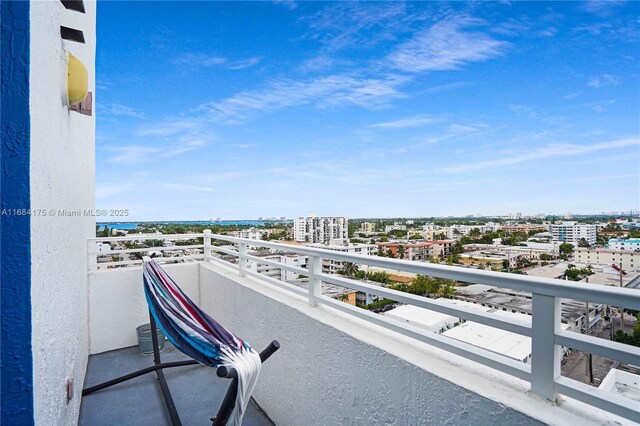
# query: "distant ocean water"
[134,225]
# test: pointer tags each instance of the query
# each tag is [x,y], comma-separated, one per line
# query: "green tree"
[349,269]
[390,253]
[583,243]
[566,248]
[448,289]
[401,252]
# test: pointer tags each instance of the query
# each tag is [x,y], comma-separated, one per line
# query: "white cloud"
[603,80]
[132,153]
[345,25]
[168,128]
[531,113]
[188,187]
[446,46]
[144,153]
[201,59]
[334,90]
[289,4]
[549,151]
[601,7]
[414,121]
[121,110]
[244,63]
[111,189]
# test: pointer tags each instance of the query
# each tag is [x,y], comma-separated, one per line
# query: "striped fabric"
[198,335]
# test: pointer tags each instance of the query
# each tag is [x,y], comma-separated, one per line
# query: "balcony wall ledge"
[219,299]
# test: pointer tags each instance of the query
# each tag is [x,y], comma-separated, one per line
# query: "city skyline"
[240,110]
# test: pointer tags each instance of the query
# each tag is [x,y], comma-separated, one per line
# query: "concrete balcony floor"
[196,390]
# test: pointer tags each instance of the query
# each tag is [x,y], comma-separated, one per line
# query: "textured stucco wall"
[15,251]
[62,177]
[117,304]
[323,376]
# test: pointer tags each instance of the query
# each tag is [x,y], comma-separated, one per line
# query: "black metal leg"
[229,401]
[166,393]
[92,389]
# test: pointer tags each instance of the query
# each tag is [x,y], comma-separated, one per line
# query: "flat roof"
[502,342]
[429,319]
[496,340]
[514,300]
[622,383]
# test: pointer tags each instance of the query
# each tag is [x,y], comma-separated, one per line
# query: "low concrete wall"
[325,376]
[117,304]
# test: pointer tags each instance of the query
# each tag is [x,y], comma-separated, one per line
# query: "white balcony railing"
[545,331]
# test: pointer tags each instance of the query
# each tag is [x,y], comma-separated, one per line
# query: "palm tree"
[349,268]
[344,297]
[400,252]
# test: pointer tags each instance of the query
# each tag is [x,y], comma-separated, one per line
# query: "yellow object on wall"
[77,80]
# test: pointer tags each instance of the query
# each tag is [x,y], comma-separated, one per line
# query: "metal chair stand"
[229,401]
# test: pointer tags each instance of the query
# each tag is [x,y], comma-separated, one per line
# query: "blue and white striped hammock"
[199,336]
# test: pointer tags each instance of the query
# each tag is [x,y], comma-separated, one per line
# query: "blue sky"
[247,109]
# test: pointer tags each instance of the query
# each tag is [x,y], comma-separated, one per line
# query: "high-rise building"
[572,232]
[316,229]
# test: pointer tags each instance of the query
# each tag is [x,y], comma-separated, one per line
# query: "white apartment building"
[333,266]
[275,272]
[316,229]
[572,232]
[395,227]
[454,231]
[632,244]
[251,233]
[630,260]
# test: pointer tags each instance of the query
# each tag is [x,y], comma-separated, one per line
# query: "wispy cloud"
[103,85]
[188,187]
[201,59]
[414,121]
[145,153]
[533,114]
[572,95]
[107,190]
[169,128]
[121,110]
[289,4]
[446,45]
[244,63]
[445,187]
[598,106]
[603,80]
[601,7]
[345,25]
[549,151]
[447,86]
[334,90]
[132,153]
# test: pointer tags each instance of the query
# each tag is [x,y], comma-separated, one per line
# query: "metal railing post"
[315,283]
[207,244]
[242,259]
[545,354]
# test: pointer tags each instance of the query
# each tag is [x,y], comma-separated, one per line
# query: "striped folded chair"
[203,339]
